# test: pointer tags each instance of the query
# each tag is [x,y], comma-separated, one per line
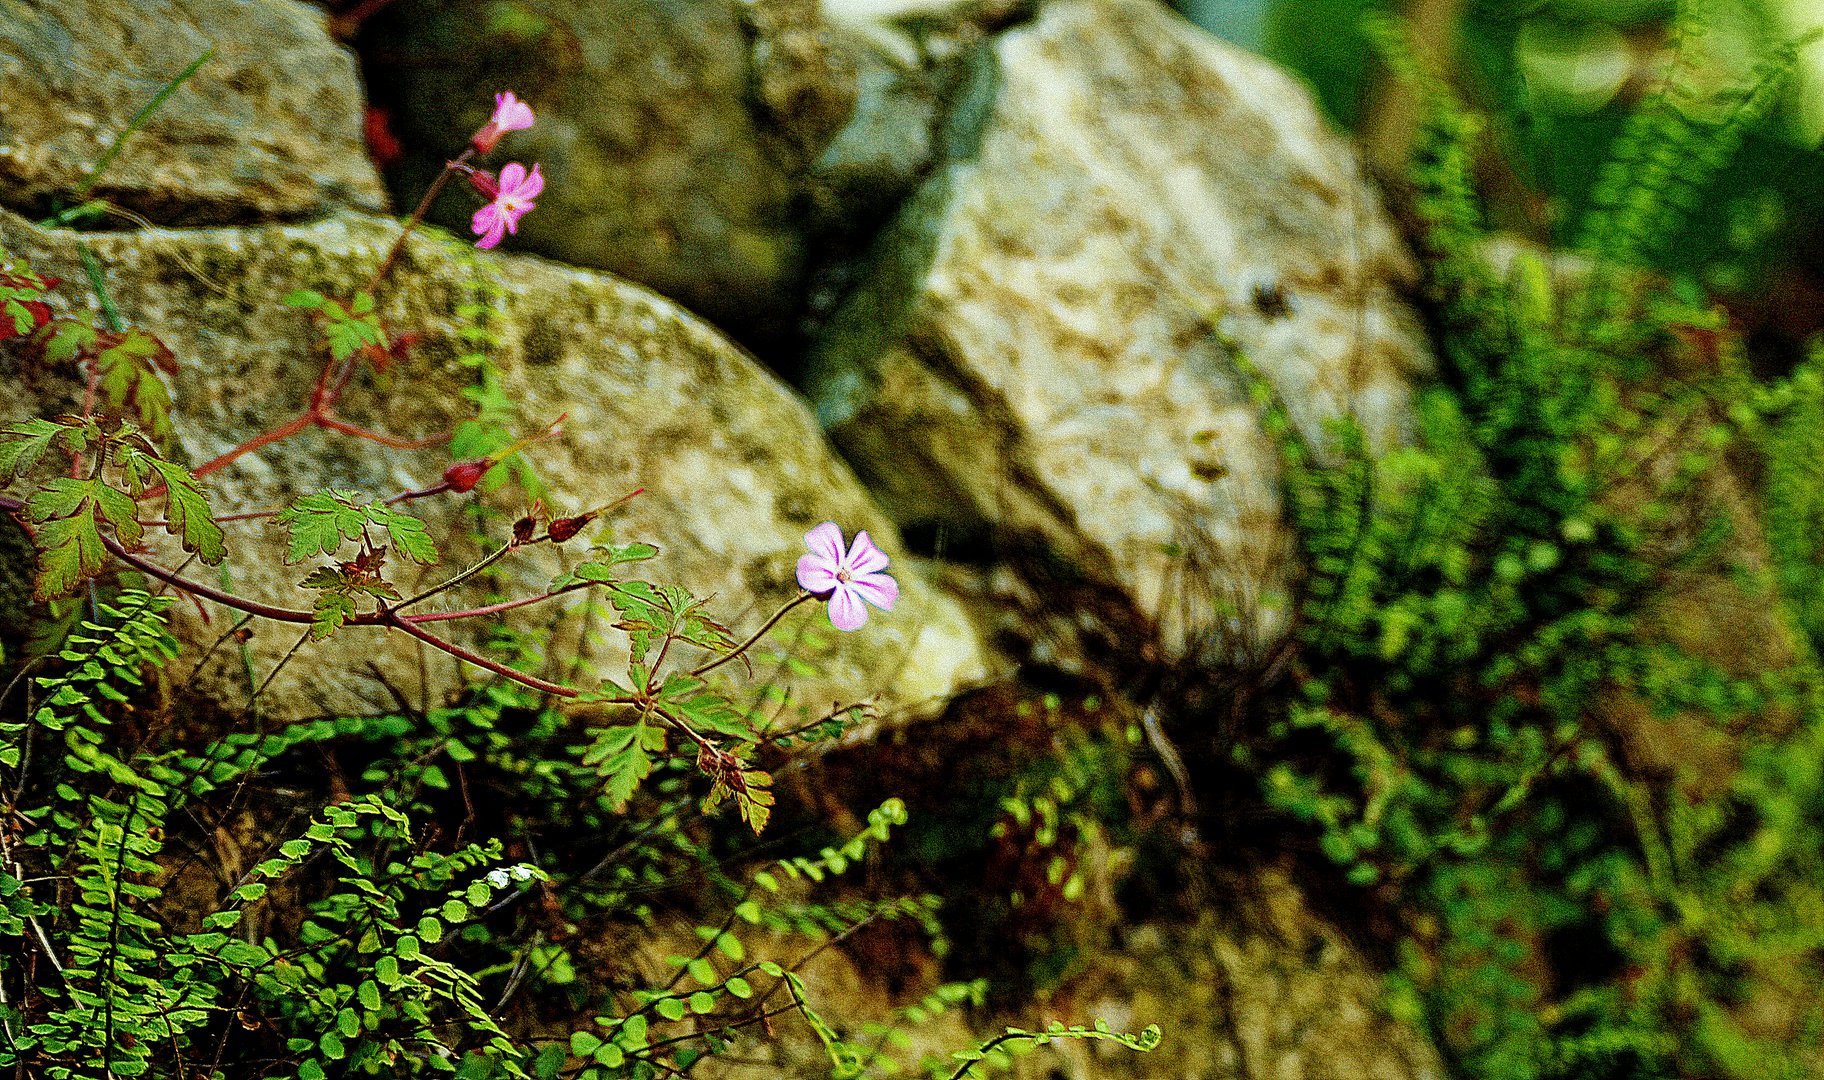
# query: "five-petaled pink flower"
[846,576]
[510,114]
[512,196]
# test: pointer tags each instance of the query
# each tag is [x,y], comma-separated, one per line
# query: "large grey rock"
[1041,359]
[268,128]
[734,467]
[674,134]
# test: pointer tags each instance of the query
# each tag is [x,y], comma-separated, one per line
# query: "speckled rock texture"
[1040,364]
[734,467]
[1264,989]
[674,134]
[268,129]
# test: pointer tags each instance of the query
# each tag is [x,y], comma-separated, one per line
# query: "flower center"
[844,575]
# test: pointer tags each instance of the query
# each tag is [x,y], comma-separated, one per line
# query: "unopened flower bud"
[563,529]
[464,475]
[510,114]
[523,529]
[484,182]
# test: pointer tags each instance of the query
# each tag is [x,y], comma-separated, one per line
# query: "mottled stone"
[1042,356]
[734,467]
[1268,990]
[269,128]
[674,134]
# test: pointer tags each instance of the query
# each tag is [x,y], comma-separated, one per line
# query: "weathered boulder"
[674,134]
[1041,359]
[269,128]
[734,467]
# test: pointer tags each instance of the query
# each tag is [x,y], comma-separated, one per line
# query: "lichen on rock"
[268,128]
[734,468]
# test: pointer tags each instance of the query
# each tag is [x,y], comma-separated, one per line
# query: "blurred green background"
[1558,77]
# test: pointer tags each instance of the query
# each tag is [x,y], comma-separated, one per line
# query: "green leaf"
[331,611]
[584,1043]
[58,498]
[69,550]
[187,514]
[409,537]
[622,773]
[24,443]
[122,512]
[670,1008]
[304,298]
[129,372]
[68,340]
[320,522]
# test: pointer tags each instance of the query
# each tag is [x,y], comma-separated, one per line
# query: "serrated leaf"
[304,298]
[58,498]
[69,550]
[187,514]
[622,773]
[68,340]
[22,444]
[410,538]
[320,522]
[331,611]
[122,512]
[129,372]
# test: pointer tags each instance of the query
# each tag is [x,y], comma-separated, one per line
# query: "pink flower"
[512,196]
[510,114]
[846,577]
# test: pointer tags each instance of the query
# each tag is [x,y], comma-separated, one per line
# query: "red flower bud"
[484,182]
[563,529]
[464,475]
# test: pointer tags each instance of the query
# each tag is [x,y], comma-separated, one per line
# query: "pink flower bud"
[483,182]
[510,114]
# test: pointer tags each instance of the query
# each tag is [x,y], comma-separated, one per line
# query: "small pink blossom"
[846,576]
[510,114]
[512,197]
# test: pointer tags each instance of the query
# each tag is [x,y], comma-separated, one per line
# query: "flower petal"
[825,542]
[510,113]
[512,176]
[531,186]
[847,612]
[864,557]
[877,589]
[488,224]
[815,575]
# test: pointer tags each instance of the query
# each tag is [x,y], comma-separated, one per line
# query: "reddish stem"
[386,619]
[333,423]
[479,660]
[424,207]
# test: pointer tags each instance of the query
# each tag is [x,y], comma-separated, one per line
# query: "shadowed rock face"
[268,128]
[1042,355]
[734,467]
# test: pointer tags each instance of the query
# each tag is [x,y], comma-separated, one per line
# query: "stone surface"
[1266,990]
[1038,365]
[674,134]
[734,467]
[269,128]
